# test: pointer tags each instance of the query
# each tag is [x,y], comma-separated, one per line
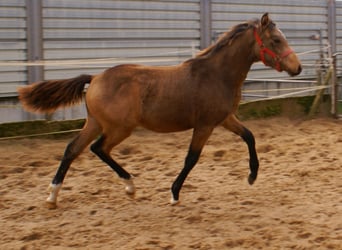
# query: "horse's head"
[272,48]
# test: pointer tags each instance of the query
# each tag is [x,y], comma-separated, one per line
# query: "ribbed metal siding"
[339,35]
[339,49]
[12,44]
[297,19]
[90,29]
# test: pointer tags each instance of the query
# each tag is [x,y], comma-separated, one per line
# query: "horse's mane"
[228,37]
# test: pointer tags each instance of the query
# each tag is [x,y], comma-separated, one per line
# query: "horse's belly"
[165,126]
[167,120]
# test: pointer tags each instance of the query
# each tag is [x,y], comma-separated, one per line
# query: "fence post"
[332,24]
[320,92]
[34,39]
[336,89]
[205,23]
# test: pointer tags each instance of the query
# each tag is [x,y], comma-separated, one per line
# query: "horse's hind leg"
[102,148]
[89,132]
[233,124]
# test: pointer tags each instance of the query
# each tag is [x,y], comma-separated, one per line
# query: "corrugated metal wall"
[339,24]
[153,32]
[147,32]
[339,35]
[339,57]
[12,44]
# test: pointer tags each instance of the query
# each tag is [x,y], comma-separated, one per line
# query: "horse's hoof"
[51,204]
[251,180]
[52,199]
[130,188]
[173,201]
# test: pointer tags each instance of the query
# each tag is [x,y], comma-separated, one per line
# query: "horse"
[200,93]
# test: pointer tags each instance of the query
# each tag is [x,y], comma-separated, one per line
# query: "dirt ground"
[296,203]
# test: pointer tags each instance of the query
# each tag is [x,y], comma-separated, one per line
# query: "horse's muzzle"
[297,71]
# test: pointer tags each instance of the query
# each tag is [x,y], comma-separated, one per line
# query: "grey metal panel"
[12,45]
[16,55]
[70,34]
[92,44]
[12,77]
[339,38]
[11,34]
[141,5]
[66,23]
[70,113]
[13,11]
[127,14]
[293,3]
[231,16]
[274,9]
[12,23]
[11,3]
[118,29]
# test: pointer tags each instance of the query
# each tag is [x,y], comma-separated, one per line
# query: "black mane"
[228,37]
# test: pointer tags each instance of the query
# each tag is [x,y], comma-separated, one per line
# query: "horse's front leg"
[233,124]
[199,138]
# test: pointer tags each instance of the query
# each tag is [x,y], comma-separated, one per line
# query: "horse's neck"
[236,59]
[228,66]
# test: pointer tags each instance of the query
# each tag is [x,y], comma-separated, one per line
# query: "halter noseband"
[273,55]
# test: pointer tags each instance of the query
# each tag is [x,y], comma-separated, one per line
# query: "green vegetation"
[306,103]
[38,127]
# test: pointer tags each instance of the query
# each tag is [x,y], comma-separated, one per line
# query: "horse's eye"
[276,40]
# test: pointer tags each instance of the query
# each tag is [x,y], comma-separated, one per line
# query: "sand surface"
[296,203]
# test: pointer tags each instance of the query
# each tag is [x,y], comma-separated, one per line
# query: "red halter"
[273,55]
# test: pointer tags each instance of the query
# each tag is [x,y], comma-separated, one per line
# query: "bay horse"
[199,94]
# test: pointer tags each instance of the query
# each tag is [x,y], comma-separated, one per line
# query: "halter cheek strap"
[272,54]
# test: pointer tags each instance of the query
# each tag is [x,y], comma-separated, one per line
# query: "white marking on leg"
[173,201]
[130,188]
[54,189]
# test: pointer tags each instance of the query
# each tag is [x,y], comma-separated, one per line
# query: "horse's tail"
[47,96]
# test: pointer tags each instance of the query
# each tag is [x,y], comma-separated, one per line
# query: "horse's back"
[157,98]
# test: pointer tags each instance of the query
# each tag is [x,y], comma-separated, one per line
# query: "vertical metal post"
[332,24]
[205,23]
[34,39]
[332,42]
[334,89]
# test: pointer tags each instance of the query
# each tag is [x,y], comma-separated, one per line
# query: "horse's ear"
[265,20]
